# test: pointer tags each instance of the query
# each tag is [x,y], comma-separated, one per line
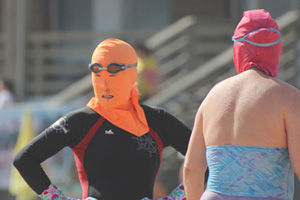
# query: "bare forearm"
[194,184]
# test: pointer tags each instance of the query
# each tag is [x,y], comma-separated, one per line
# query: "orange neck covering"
[116,95]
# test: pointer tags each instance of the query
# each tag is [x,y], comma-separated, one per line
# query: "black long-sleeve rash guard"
[111,163]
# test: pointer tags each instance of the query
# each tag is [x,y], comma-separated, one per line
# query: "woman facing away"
[248,125]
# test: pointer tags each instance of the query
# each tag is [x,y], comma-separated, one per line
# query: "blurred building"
[46,44]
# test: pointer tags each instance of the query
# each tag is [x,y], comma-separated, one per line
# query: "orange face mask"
[116,94]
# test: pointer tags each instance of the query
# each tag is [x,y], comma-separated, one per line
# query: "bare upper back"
[247,109]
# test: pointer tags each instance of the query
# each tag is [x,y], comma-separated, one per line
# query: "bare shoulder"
[287,89]
[217,90]
[289,95]
[222,86]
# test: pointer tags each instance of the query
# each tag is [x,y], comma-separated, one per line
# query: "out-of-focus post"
[9,36]
[20,48]
[254,4]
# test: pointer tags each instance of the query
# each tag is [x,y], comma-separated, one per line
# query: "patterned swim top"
[250,171]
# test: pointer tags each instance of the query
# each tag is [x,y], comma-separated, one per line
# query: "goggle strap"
[255,43]
[242,39]
[133,65]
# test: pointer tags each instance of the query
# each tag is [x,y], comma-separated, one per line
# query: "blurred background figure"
[6,93]
[148,75]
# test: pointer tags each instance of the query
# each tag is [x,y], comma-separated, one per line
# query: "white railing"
[288,24]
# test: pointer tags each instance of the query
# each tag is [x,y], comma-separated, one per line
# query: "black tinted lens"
[114,68]
[95,68]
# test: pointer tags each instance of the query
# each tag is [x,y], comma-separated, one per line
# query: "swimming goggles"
[243,39]
[112,68]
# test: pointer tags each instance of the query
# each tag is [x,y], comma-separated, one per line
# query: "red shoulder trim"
[79,151]
[160,146]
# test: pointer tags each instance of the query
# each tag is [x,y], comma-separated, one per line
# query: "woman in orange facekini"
[117,142]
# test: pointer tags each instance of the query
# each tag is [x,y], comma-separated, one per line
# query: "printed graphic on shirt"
[147,143]
[109,132]
[60,125]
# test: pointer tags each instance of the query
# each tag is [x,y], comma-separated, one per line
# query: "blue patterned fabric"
[250,171]
[208,195]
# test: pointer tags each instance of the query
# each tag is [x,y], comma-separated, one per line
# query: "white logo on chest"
[109,132]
